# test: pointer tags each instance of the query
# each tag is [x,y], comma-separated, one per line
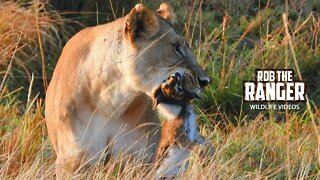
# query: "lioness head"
[156,49]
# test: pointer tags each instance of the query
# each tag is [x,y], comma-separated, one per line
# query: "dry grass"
[30,38]
[19,23]
[260,149]
[260,144]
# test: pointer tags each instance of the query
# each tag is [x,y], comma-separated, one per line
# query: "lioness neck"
[91,64]
[105,79]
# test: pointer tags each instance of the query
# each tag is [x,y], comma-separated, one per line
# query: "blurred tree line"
[92,12]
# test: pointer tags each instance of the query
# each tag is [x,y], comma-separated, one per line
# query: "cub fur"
[180,135]
[98,103]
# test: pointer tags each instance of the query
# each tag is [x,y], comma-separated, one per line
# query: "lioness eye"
[177,50]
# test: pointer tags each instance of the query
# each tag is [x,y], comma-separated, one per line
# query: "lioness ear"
[141,23]
[166,12]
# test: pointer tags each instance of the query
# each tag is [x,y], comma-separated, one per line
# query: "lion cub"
[179,133]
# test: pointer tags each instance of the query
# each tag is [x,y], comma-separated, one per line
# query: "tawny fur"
[177,91]
[100,94]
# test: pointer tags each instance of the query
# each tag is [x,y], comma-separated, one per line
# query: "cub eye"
[177,49]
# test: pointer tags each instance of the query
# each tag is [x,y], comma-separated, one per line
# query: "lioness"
[101,88]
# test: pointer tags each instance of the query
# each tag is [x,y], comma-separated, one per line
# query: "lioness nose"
[203,81]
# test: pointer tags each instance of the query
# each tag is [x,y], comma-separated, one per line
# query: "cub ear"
[166,12]
[141,23]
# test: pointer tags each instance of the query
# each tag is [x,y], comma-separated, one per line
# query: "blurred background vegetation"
[230,39]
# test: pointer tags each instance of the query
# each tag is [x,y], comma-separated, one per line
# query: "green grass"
[230,40]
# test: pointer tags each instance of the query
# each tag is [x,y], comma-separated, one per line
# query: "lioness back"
[66,82]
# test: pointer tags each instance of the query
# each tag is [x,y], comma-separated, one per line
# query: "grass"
[229,39]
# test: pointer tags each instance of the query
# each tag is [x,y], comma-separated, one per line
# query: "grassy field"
[230,40]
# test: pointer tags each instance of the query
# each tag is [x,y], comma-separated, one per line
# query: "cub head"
[179,89]
[155,50]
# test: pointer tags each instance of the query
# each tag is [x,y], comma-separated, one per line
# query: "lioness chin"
[99,102]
